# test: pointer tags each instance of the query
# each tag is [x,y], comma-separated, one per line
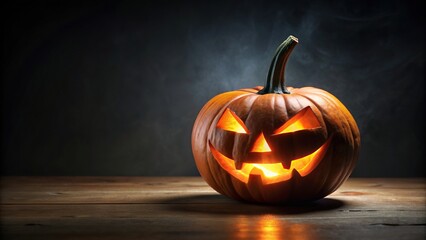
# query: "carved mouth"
[271,172]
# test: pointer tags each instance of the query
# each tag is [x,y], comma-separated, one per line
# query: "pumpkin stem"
[275,83]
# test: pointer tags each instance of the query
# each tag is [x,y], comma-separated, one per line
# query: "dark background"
[113,87]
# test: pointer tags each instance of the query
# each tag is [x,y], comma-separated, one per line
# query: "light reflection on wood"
[271,227]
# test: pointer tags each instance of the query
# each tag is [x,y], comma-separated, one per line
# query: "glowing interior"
[260,145]
[304,119]
[271,172]
[229,121]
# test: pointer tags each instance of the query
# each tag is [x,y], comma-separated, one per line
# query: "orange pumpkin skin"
[333,144]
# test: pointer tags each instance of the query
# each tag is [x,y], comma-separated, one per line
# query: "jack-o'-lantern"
[275,143]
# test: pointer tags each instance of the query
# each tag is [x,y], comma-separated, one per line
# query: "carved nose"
[260,145]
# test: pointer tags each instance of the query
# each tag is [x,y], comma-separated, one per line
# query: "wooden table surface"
[187,208]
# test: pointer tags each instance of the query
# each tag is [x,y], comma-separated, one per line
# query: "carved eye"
[305,119]
[229,121]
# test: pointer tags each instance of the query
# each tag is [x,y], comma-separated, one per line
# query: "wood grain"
[187,208]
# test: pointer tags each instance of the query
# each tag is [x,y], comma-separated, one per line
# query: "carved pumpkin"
[275,144]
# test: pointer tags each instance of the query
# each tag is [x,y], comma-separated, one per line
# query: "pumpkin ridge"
[342,118]
[280,106]
[354,130]
[212,127]
[210,107]
[330,152]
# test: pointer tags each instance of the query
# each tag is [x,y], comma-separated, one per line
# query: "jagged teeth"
[286,165]
[255,176]
[256,171]
[238,165]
